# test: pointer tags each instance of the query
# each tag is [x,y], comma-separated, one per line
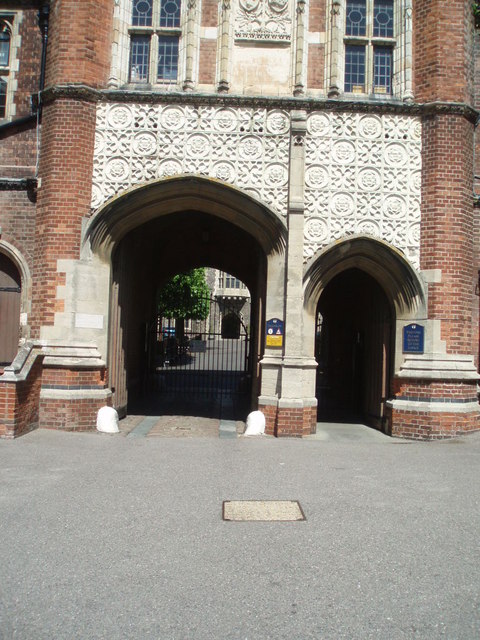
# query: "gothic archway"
[355,293]
[155,231]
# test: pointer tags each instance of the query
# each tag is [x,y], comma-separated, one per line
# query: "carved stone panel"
[264,20]
[363,176]
[248,148]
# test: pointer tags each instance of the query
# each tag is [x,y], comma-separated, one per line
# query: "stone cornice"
[89,94]
[18,184]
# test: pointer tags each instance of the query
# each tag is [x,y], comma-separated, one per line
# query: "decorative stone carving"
[264,20]
[246,147]
[363,175]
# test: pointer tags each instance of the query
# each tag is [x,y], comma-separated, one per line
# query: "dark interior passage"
[144,260]
[353,337]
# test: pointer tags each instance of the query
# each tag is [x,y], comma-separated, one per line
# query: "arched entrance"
[358,295]
[10,300]
[353,345]
[159,230]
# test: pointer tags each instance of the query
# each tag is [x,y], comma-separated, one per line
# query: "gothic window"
[369,42]
[155,34]
[5,41]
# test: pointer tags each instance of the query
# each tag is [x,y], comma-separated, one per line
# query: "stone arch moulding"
[166,196]
[26,280]
[388,266]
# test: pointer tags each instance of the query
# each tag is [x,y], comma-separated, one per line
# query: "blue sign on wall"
[274,331]
[413,338]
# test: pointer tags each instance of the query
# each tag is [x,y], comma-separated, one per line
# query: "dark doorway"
[10,292]
[353,337]
[144,260]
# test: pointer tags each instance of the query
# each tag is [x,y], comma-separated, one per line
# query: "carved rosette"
[363,176]
[245,147]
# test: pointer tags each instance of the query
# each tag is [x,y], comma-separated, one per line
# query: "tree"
[186,296]
[476,13]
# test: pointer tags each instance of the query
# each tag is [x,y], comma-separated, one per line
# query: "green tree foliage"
[476,13]
[185,296]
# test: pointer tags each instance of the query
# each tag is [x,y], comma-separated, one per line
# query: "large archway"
[357,294]
[159,230]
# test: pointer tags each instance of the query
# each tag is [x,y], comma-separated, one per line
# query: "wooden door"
[10,294]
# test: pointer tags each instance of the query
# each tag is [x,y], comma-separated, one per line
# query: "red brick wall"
[63,198]
[208,61]
[19,403]
[447,225]
[419,425]
[442,44]
[293,422]
[316,52]
[17,219]
[209,13]
[316,66]
[29,61]
[80,37]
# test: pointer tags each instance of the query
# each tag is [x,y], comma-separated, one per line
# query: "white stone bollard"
[255,424]
[107,420]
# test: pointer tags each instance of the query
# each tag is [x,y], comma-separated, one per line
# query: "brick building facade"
[322,152]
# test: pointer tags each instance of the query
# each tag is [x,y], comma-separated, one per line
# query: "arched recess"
[152,232]
[356,291]
[15,286]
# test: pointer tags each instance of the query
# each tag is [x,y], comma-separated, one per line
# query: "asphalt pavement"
[106,536]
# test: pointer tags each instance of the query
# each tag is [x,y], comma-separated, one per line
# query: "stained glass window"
[170,13]
[142,13]
[356,18]
[383,19]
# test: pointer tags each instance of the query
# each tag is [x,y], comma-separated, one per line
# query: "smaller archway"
[10,302]
[357,293]
[353,349]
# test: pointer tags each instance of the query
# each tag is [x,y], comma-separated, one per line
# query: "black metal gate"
[201,366]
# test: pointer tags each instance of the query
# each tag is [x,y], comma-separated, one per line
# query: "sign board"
[274,333]
[413,338]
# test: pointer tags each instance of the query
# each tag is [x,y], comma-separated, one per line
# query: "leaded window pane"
[354,68]
[3,98]
[356,18]
[167,57]
[383,19]
[4,48]
[139,58]
[170,13]
[142,13]
[382,69]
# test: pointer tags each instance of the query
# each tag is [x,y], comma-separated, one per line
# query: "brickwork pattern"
[17,219]
[64,197]
[29,61]
[438,76]
[208,60]
[447,225]
[293,422]
[420,425]
[79,414]
[80,37]
[73,378]
[316,66]
[209,14]
[19,404]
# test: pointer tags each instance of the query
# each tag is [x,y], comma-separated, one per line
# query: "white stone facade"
[362,171]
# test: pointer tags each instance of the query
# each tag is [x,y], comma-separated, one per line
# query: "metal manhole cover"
[262,510]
